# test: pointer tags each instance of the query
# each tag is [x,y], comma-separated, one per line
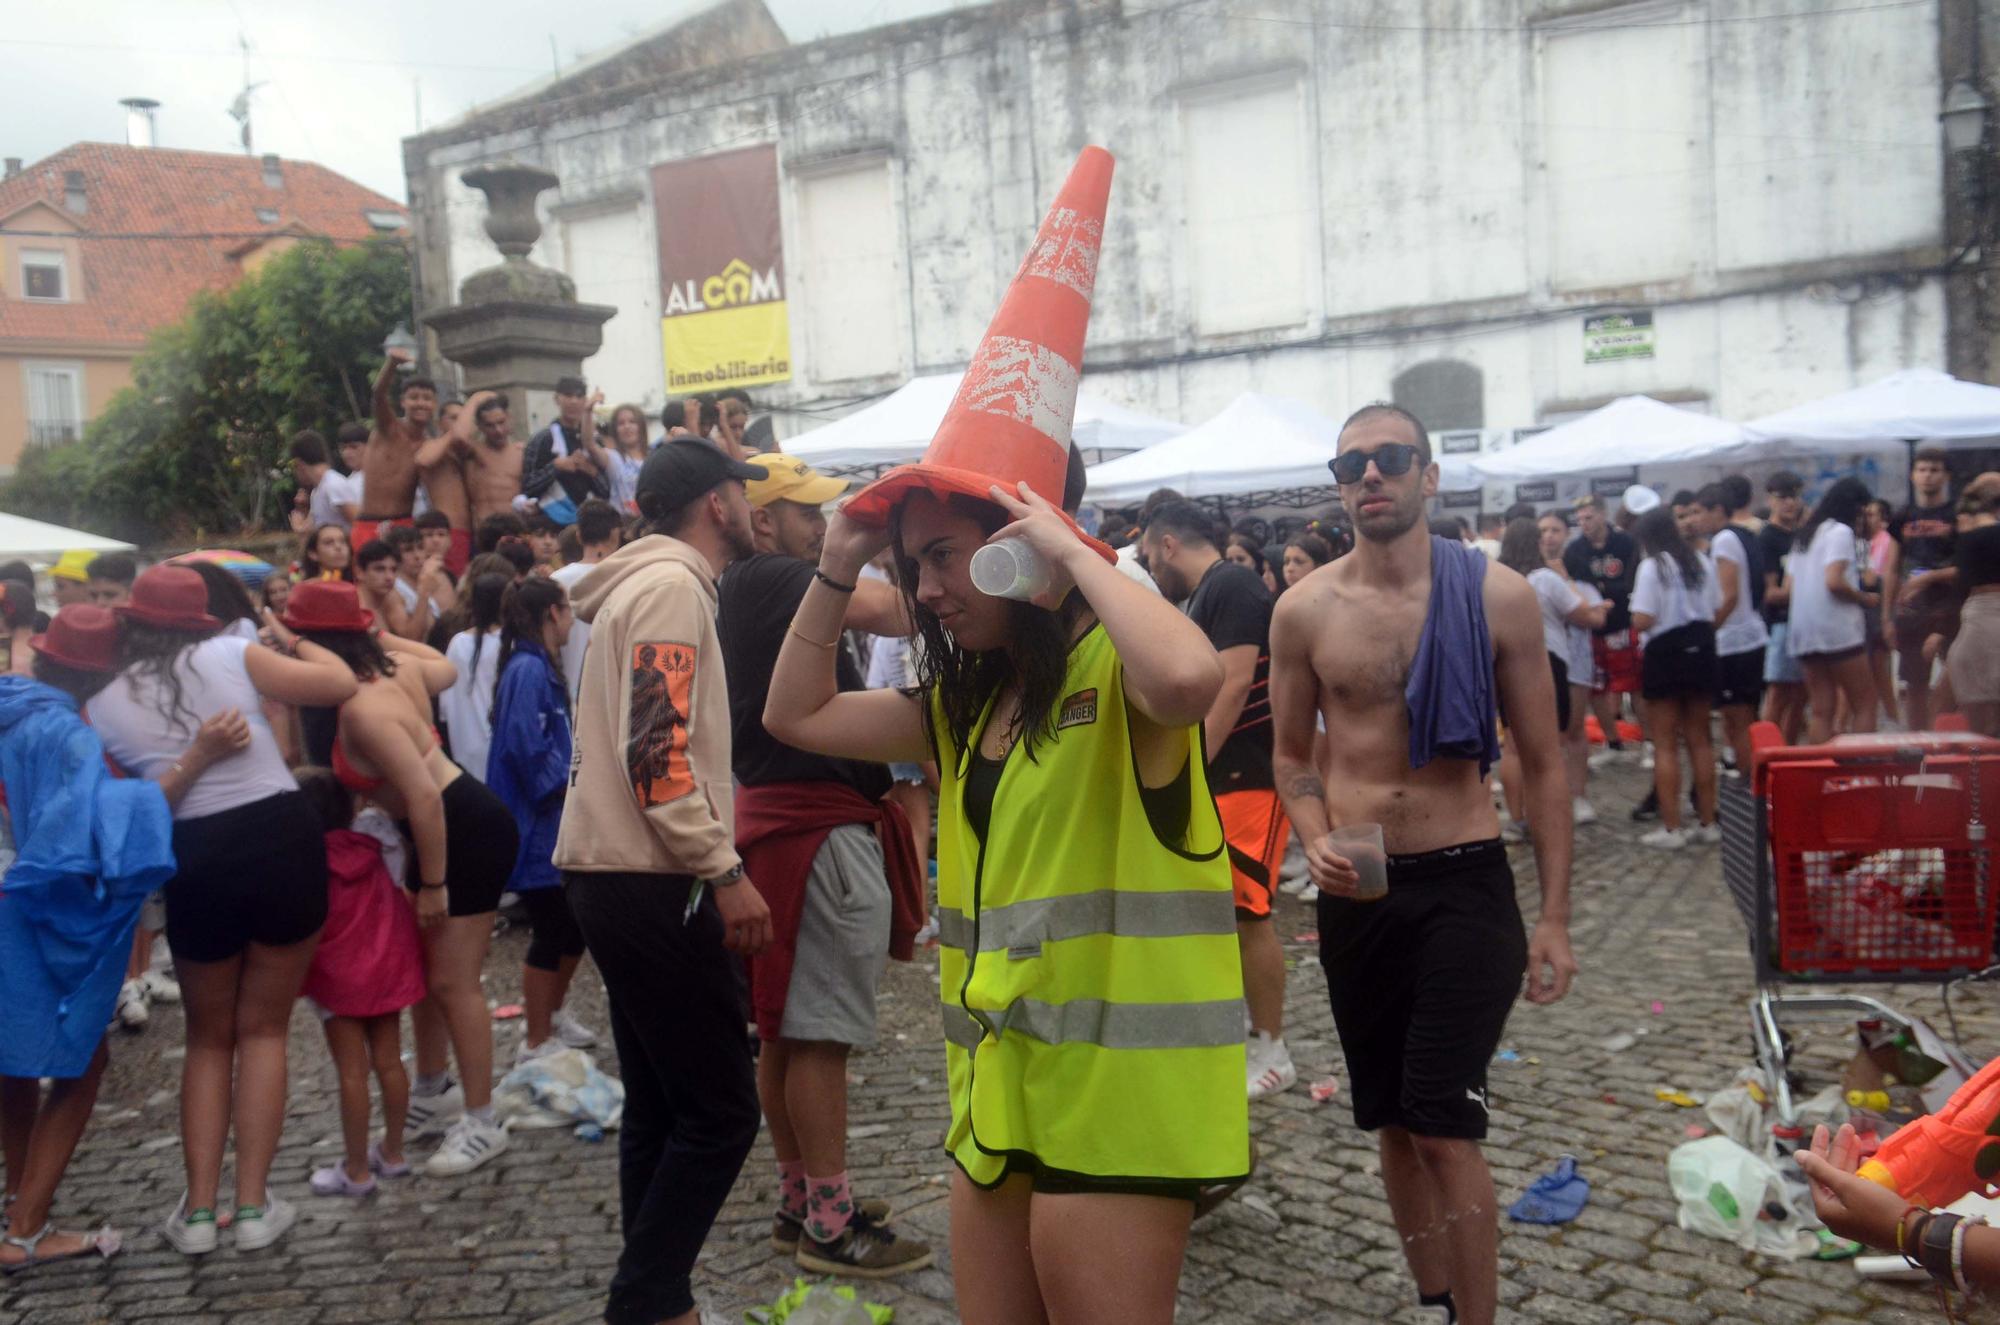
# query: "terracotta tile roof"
[160,225]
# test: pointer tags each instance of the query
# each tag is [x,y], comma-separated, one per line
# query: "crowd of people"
[696,726]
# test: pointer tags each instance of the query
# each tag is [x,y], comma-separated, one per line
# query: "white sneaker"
[1665,839]
[132,1010]
[161,987]
[1270,1066]
[263,1225]
[1646,760]
[1707,834]
[469,1143]
[528,1053]
[1294,887]
[1582,811]
[571,1031]
[1309,893]
[190,1237]
[430,1115]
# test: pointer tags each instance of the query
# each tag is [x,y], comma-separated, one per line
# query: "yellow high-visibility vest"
[1091,984]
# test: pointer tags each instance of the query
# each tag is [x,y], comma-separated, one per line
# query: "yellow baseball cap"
[788,479]
[73,565]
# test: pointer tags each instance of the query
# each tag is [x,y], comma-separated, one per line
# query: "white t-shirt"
[1582,659]
[1129,567]
[1820,622]
[1743,631]
[467,705]
[624,480]
[579,629]
[1661,593]
[1558,600]
[333,491]
[131,719]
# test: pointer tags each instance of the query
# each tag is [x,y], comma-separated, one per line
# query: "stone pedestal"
[518,327]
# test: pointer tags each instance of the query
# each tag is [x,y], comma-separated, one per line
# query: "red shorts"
[455,560]
[1255,827]
[1617,660]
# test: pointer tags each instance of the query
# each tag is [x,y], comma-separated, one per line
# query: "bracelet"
[428,886]
[1934,1248]
[817,644]
[1958,1250]
[1903,1243]
[176,767]
[830,582]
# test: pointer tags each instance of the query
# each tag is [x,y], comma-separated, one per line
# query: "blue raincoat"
[86,848]
[527,764]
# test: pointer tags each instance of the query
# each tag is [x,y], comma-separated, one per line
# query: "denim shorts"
[1780,667]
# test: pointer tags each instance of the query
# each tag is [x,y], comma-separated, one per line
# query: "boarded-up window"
[1246,188]
[851,280]
[1443,393]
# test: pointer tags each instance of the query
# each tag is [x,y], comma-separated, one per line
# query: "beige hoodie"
[649,786]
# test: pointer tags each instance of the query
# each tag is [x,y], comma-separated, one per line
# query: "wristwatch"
[734,874]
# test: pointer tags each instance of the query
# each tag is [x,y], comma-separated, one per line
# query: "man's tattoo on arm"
[1307,785]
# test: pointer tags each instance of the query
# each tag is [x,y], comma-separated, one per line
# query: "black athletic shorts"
[1739,679]
[254,874]
[1421,983]
[554,933]
[1679,663]
[480,844]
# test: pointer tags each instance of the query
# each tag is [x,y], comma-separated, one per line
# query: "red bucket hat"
[1010,421]
[83,636]
[172,597]
[327,605]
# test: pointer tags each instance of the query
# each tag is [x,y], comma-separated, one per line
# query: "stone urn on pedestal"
[517,327]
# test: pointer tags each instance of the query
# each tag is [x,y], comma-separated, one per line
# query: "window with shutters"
[44,276]
[55,401]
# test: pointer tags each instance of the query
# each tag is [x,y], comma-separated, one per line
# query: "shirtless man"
[389,470]
[1421,980]
[489,453]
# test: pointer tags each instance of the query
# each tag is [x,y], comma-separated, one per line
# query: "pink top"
[369,962]
[1878,551]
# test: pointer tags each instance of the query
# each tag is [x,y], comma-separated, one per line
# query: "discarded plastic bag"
[559,1090]
[1728,1193]
[819,1304]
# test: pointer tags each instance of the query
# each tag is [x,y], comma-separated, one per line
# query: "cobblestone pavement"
[532,1237]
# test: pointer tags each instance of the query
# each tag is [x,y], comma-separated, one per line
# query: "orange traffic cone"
[1010,421]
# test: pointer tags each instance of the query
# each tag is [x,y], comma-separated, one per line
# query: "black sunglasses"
[1393,459]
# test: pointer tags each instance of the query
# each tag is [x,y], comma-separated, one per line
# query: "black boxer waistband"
[1446,862]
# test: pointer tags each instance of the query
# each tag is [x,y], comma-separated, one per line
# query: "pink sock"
[792,1188]
[830,1207]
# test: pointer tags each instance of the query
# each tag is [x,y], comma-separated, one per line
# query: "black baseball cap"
[682,469]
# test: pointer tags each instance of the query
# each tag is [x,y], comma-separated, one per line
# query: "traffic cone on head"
[1010,421]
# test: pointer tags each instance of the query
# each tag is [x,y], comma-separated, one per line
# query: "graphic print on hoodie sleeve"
[656,752]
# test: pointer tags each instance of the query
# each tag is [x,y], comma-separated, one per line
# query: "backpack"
[1753,564]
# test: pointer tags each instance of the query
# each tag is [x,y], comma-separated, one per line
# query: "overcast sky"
[343,79]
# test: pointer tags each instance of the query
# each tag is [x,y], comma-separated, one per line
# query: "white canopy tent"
[1631,430]
[1915,405]
[22,537]
[896,429]
[1259,451]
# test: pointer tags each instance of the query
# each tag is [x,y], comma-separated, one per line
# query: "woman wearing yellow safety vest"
[1092,997]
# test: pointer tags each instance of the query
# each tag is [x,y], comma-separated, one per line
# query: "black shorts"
[1680,663]
[480,844]
[1421,983]
[1560,666]
[1832,656]
[1739,679]
[254,874]
[554,930]
[1056,1182]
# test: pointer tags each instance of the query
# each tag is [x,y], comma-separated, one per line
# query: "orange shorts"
[1255,827]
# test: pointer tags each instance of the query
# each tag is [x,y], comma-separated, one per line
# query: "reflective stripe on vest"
[1107,1025]
[1130,915]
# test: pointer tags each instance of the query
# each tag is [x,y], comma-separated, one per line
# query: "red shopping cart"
[1863,861]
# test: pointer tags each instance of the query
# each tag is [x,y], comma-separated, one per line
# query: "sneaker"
[1294,887]
[258,1226]
[1665,839]
[1707,834]
[528,1053]
[571,1031]
[865,1249]
[430,1115]
[1647,810]
[161,987]
[382,1168]
[470,1143]
[1646,760]
[1582,811]
[333,1180]
[190,1232]
[1309,893]
[1513,831]
[787,1230]
[133,1013]
[1270,1066]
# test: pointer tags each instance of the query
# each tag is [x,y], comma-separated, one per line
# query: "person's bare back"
[445,482]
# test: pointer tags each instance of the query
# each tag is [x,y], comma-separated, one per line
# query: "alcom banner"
[723,320]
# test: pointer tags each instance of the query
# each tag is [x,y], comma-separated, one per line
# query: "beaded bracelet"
[1906,1236]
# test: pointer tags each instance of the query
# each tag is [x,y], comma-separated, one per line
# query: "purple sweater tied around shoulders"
[1450,691]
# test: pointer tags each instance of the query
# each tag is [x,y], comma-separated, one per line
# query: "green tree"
[197,446]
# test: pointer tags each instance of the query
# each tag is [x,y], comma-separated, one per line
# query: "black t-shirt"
[1978,557]
[1610,570]
[754,607]
[1925,533]
[1233,608]
[1774,544]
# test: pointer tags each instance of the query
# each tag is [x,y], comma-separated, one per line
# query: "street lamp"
[1963,117]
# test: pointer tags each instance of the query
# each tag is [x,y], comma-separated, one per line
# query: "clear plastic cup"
[1361,844]
[1010,568]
